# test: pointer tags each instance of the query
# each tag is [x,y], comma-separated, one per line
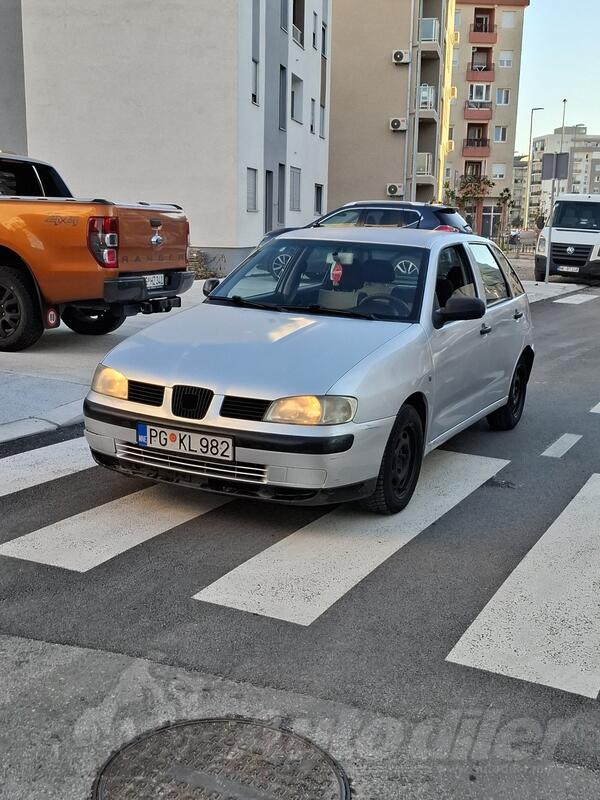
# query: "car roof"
[579,198]
[26,159]
[395,236]
[399,204]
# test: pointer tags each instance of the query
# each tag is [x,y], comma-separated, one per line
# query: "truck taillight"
[103,240]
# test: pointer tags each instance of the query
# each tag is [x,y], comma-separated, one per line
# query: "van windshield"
[577,216]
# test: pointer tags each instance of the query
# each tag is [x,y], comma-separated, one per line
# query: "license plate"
[219,448]
[568,269]
[155,281]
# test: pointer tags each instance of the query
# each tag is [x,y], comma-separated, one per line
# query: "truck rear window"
[18,178]
[576,215]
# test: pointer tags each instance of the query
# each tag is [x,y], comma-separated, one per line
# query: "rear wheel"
[401,465]
[93,322]
[509,416]
[20,319]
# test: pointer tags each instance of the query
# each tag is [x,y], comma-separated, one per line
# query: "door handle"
[518,314]
[485,329]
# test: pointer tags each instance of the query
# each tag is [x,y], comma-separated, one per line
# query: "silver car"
[327,383]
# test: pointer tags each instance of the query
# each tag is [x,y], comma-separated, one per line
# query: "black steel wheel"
[509,416]
[400,466]
[20,319]
[93,322]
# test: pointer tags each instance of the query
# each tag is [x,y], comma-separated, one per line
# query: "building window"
[281,195]
[315,30]
[324,40]
[251,189]
[297,92]
[285,14]
[499,172]
[282,98]
[313,116]
[457,20]
[322,122]
[455,57]
[502,97]
[451,132]
[509,19]
[500,133]
[318,199]
[298,22]
[295,189]
[255,82]
[448,173]
[479,92]
[506,59]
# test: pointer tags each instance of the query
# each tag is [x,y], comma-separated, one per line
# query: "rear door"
[503,321]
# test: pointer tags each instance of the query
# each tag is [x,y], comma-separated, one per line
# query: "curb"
[59,417]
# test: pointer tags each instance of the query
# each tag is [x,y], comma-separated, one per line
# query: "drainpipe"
[415,143]
[411,46]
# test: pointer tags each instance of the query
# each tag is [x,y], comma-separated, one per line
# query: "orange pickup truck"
[91,263]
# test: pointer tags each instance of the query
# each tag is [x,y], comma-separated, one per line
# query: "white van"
[575,238]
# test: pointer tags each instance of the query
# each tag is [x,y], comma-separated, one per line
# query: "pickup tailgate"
[151,238]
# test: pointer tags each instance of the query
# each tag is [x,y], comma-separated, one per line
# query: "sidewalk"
[42,389]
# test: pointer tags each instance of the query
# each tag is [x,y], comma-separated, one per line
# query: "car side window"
[389,218]
[454,276]
[496,287]
[349,216]
[509,272]
[18,178]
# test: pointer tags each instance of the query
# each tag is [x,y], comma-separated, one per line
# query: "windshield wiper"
[338,312]
[242,302]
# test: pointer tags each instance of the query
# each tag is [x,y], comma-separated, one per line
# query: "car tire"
[400,466]
[93,323]
[21,322]
[509,416]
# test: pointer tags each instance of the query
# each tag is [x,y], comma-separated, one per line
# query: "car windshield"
[577,216]
[365,280]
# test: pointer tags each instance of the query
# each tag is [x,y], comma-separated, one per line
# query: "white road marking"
[28,469]
[300,577]
[577,299]
[595,409]
[562,446]
[543,624]
[84,541]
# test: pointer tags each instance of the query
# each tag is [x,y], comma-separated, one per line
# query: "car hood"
[250,352]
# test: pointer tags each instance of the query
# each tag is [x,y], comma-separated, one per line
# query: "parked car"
[91,263]
[383,214]
[574,232]
[306,389]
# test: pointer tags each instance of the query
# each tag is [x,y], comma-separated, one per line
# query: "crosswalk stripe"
[595,409]
[543,624]
[562,446]
[577,299]
[300,577]
[84,541]
[25,470]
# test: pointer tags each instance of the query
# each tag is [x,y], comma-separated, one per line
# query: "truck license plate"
[568,269]
[219,448]
[155,281]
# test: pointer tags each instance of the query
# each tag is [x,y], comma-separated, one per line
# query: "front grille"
[244,408]
[191,465]
[191,402]
[577,259]
[145,393]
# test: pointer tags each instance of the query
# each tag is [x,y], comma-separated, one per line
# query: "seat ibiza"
[329,382]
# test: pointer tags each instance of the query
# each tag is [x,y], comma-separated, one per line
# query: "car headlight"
[312,410]
[542,245]
[110,382]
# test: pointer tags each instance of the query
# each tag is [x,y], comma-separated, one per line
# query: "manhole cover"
[221,759]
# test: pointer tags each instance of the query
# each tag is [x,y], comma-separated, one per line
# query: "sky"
[561,59]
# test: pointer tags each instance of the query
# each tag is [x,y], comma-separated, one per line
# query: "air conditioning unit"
[400,57]
[450,145]
[398,124]
[456,41]
[453,92]
[395,189]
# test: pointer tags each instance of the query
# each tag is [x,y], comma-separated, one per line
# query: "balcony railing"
[476,173]
[427,97]
[476,67]
[479,27]
[479,105]
[476,142]
[430,29]
[298,35]
[424,163]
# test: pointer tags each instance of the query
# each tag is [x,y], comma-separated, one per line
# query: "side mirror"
[210,284]
[459,308]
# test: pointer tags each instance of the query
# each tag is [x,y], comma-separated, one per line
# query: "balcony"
[478,110]
[298,35]
[425,173]
[428,103]
[482,34]
[430,37]
[476,148]
[481,73]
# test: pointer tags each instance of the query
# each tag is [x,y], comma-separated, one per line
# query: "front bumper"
[589,271]
[297,469]
[131,292]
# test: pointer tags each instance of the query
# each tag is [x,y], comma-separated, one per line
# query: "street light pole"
[562,135]
[529,168]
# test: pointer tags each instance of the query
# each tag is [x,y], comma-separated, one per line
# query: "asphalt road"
[433,654]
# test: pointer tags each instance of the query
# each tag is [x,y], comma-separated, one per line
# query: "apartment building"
[519,191]
[584,166]
[486,71]
[219,107]
[390,89]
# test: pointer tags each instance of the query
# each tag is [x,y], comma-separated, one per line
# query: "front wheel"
[93,322]
[20,319]
[509,416]
[401,465]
